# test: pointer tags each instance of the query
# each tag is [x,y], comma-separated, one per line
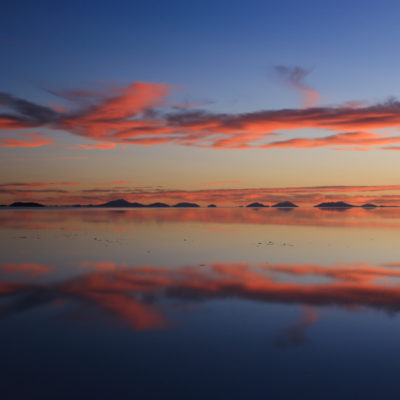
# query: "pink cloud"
[294,77]
[138,115]
[36,142]
[354,140]
[96,146]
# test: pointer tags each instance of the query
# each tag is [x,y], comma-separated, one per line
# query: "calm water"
[199,304]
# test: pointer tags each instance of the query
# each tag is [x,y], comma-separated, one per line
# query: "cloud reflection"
[295,333]
[138,295]
[29,270]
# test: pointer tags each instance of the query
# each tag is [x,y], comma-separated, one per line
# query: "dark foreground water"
[199,304]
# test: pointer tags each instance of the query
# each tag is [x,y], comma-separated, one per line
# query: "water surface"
[199,303]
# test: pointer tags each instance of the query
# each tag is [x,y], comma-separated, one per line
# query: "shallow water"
[199,303]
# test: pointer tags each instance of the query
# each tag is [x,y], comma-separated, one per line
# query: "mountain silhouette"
[26,204]
[334,204]
[256,205]
[369,205]
[121,203]
[211,206]
[285,204]
[186,205]
[158,205]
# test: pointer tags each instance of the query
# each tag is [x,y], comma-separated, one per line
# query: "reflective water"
[199,303]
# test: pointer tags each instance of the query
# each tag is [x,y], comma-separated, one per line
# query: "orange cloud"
[114,113]
[361,141]
[15,123]
[38,142]
[100,266]
[139,114]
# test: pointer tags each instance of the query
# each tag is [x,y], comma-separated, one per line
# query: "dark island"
[211,206]
[369,205]
[185,205]
[158,205]
[120,203]
[334,204]
[256,205]
[285,204]
[25,204]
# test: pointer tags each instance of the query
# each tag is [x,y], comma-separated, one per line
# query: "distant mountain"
[256,205]
[285,204]
[184,205]
[158,205]
[26,204]
[120,203]
[211,206]
[369,205]
[334,204]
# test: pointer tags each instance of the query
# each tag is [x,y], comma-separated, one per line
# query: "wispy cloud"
[358,141]
[35,184]
[36,140]
[294,77]
[139,114]
[95,146]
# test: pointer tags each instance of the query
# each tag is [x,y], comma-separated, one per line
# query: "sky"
[206,101]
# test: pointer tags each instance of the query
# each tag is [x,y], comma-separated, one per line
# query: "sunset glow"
[199,200]
[283,119]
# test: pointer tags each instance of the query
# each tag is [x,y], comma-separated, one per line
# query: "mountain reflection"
[138,295]
[73,219]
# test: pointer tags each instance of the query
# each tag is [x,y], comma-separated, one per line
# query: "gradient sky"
[208,101]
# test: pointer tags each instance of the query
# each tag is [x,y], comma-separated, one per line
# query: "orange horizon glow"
[58,193]
[142,113]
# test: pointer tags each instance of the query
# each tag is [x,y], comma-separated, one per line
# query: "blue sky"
[220,51]
[220,56]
